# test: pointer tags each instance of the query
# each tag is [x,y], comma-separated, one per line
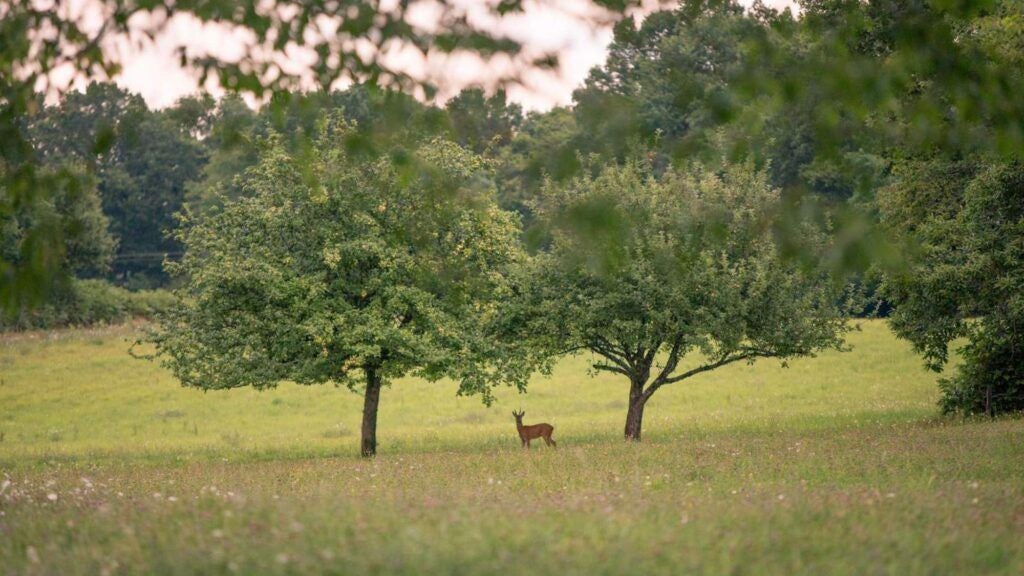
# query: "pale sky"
[151,69]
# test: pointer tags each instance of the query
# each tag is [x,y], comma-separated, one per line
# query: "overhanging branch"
[743,354]
[672,362]
[603,347]
[612,368]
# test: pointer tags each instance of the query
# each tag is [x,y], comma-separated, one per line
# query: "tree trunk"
[635,414]
[370,402]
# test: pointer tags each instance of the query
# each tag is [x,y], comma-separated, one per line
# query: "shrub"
[991,378]
[88,303]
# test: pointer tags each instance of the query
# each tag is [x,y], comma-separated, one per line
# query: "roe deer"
[527,433]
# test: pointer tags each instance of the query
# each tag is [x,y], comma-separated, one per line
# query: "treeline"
[130,172]
[895,125]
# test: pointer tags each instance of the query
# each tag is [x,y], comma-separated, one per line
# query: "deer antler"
[532,431]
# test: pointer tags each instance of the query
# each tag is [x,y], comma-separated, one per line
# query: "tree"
[483,124]
[542,148]
[351,41]
[665,79]
[336,268]
[688,265]
[965,275]
[142,161]
[71,214]
[381,120]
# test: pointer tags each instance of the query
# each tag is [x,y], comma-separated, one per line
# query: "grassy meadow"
[838,464]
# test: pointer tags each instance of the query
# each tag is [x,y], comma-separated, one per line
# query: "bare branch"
[742,354]
[603,347]
[672,362]
[612,368]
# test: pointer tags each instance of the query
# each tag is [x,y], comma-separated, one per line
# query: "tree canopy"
[71,218]
[142,161]
[338,269]
[965,278]
[344,41]
[689,265]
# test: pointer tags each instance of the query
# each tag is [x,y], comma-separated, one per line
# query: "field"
[838,464]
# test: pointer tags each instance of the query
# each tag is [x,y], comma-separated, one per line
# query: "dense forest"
[914,175]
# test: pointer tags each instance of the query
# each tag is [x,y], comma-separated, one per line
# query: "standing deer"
[527,433]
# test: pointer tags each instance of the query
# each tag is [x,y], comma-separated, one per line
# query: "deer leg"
[527,443]
[549,441]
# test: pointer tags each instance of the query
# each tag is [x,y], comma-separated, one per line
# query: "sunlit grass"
[838,465]
[80,394]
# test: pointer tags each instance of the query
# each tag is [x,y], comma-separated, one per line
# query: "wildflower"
[52,496]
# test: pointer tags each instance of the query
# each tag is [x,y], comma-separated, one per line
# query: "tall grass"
[78,393]
[836,465]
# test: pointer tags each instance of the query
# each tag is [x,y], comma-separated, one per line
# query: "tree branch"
[603,347]
[744,354]
[651,353]
[570,350]
[671,363]
[611,368]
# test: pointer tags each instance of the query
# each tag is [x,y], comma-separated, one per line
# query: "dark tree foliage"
[40,38]
[481,123]
[966,277]
[664,79]
[142,161]
[382,122]
[541,148]
[71,214]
